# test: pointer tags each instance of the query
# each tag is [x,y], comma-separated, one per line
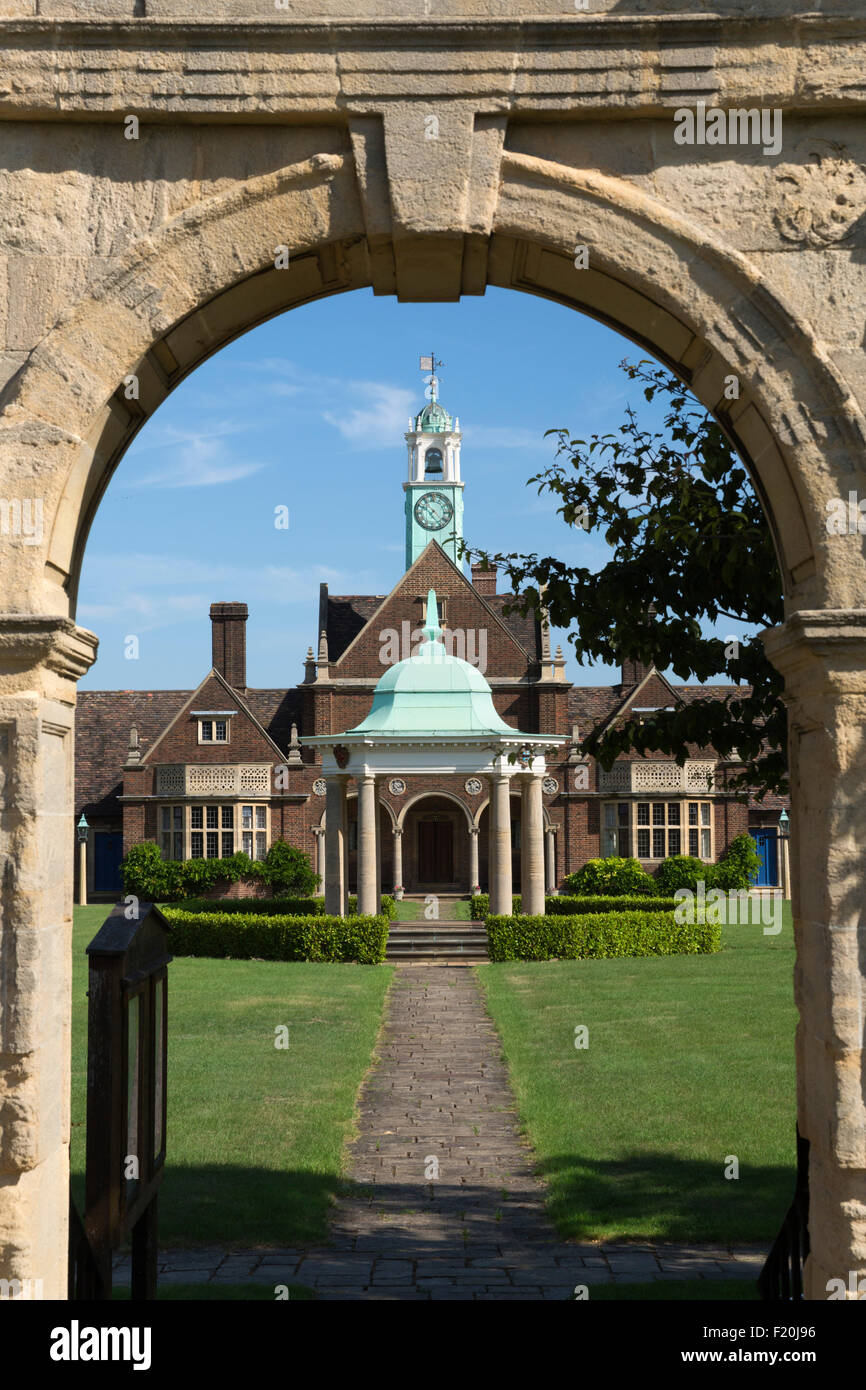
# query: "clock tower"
[434,492]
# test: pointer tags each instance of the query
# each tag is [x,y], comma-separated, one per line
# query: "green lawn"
[450,910]
[255,1134]
[690,1059]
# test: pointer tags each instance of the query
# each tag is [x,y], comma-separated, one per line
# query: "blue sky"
[308,411]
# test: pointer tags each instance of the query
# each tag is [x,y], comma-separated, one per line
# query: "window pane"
[228,844]
[608,843]
[624,847]
[166,817]
[705,844]
[643,813]
[166,846]
[643,844]
[196,845]
[220,731]
[196,817]
[207,731]
[228,817]
[693,843]
[247,817]
[705,813]
[261,844]
[609,815]
[213,845]
[213,817]
[262,818]
[178,844]
[693,813]
[177,817]
[658,844]
[622,812]
[247,842]
[658,813]
[673,842]
[674,814]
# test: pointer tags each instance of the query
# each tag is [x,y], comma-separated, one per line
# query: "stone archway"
[713,264]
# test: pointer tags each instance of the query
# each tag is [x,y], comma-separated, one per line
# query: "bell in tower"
[434,491]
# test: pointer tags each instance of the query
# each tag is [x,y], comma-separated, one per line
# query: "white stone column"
[822,655]
[367,846]
[500,844]
[473,858]
[335,846]
[319,858]
[531,846]
[784,867]
[42,658]
[397,832]
[550,836]
[82,873]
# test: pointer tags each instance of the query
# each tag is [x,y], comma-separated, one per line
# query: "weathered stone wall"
[427,148]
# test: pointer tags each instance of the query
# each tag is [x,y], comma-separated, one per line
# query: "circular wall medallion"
[550,785]
[396,786]
[319,786]
[472,785]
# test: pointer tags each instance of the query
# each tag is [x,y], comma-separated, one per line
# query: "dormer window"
[213,724]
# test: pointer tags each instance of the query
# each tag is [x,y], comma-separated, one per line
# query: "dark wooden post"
[126,1097]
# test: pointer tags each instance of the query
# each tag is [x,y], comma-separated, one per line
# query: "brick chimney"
[484,580]
[229,638]
[633,672]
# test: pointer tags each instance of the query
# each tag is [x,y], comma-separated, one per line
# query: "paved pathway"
[439,1096]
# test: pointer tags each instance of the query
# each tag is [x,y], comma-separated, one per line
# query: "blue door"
[107,854]
[768,853]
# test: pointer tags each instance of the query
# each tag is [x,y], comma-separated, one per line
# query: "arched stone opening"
[704,309]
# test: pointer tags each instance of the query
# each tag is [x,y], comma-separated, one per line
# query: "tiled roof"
[103,719]
[347,615]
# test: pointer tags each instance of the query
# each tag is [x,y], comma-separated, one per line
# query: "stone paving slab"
[439,1095]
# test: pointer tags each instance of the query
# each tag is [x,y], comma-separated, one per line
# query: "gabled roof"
[490,605]
[213,674]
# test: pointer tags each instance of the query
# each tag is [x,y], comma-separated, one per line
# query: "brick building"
[221,768]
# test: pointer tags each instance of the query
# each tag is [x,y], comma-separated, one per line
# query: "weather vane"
[430,364]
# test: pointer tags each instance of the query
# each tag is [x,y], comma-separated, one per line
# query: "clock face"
[433,511]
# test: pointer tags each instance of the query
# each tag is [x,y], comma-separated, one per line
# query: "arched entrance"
[436,852]
[179,282]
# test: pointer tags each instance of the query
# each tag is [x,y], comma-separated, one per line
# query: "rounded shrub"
[611,877]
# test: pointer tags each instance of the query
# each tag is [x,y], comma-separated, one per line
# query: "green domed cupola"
[432,693]
[434,491]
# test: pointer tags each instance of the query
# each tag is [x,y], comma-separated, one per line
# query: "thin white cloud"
[379,420]
[201,460]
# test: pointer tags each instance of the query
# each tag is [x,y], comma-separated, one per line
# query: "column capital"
[474,830]
[396,830]
[38,639]
[820,651]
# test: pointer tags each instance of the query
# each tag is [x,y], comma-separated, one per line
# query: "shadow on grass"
[660,1196]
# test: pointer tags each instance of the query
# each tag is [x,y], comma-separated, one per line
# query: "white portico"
[433,717]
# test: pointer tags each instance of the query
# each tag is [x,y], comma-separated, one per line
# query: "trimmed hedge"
[260,907]
[243,936]
[577,906]
[595,936]
[276,907]
[285,869]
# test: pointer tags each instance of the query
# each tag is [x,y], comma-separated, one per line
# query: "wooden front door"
[435,851]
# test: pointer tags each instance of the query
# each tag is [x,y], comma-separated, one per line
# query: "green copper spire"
[431,629]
